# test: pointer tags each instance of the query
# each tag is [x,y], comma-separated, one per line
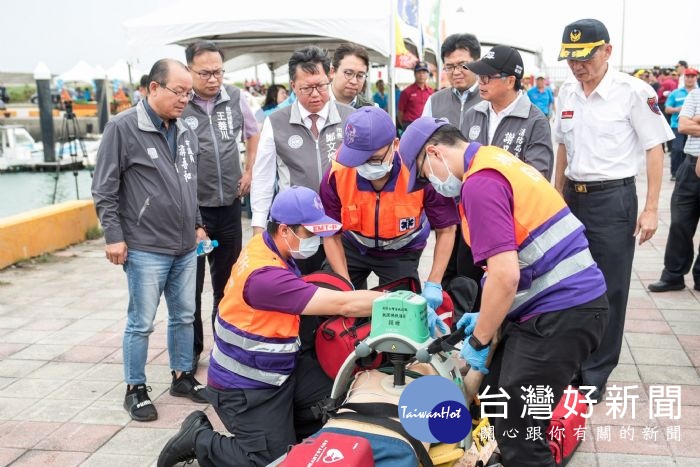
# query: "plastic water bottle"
[204,247]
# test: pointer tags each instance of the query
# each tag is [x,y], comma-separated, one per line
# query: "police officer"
[385,228]
[558,316]
[254,382]
[606,123]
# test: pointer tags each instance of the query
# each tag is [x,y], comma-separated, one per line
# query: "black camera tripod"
[70,142]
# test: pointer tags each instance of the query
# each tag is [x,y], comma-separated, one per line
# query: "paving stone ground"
[61,389]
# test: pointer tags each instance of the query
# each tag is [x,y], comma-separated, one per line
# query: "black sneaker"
[187,386]
[180,448]
[139,405]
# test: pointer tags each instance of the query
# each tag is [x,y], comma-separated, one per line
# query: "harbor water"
[23,191]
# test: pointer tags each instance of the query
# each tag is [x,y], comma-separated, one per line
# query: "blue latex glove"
[475,358]
[432,293]
[435,321]
[468,322]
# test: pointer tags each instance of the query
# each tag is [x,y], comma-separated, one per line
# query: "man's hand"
[647,224]
[244,183]
[200,235]
[116,252]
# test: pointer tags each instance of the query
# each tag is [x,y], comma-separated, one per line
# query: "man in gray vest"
[506,118]
[298,142]
[218,114]
[452,103]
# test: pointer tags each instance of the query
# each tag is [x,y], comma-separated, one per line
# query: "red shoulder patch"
[653,104]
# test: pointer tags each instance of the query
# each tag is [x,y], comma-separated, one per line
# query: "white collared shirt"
[265,167]
[496,117]
[607,133]
[322,115]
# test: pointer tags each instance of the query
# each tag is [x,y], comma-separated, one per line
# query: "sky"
[60,34]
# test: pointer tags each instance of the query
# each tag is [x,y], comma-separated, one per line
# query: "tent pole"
[391,71]
[271,66]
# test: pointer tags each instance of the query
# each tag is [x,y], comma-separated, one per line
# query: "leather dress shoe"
[598,394]
[180,448]
[664,286]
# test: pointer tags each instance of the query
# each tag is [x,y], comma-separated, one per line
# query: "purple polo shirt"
[274,288]
[440,212]
[487,201]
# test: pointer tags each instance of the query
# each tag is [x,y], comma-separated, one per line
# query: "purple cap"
[367,130]
[301,205]
[412,142]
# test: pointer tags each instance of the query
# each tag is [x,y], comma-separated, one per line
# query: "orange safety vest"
[385,220]
[264,339]
[535,204]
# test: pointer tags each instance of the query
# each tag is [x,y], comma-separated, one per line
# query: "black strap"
[378,413]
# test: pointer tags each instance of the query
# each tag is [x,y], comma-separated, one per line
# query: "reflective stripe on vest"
[253,345]
[271,332]
[565,268]
[246,371]
[535,204]
[548,239]
[386,219]
[394,244]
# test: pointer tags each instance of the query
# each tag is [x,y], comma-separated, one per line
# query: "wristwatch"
[476,343]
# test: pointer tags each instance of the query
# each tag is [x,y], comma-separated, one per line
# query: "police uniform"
[606,135]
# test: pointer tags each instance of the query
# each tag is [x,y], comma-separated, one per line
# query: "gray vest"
[445,104]
[301,160]
[219,168]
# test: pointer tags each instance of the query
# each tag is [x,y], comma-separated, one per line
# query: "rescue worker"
[385,228]
[543,289]
[255,379]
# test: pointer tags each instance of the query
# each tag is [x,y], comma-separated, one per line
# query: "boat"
[20,152]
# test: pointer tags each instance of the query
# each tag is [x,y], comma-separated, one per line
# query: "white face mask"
[307,246]
[450,188]
[373,172]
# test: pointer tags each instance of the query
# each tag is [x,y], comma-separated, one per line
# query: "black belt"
[589,187]
[692,159]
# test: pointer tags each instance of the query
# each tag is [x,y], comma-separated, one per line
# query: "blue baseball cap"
[412,141]
[301,205]
[367,130]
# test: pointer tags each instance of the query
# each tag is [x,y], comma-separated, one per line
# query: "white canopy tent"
[81,72]
[271,31]
[120,71]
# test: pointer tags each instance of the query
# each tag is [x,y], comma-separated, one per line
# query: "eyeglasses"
[349,74]
[205,75]
[377,162]
[486,79]
[450,68]
[308,90]
[180,94]
[419,172]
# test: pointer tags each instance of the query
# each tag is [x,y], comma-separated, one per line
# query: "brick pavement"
[61,388]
